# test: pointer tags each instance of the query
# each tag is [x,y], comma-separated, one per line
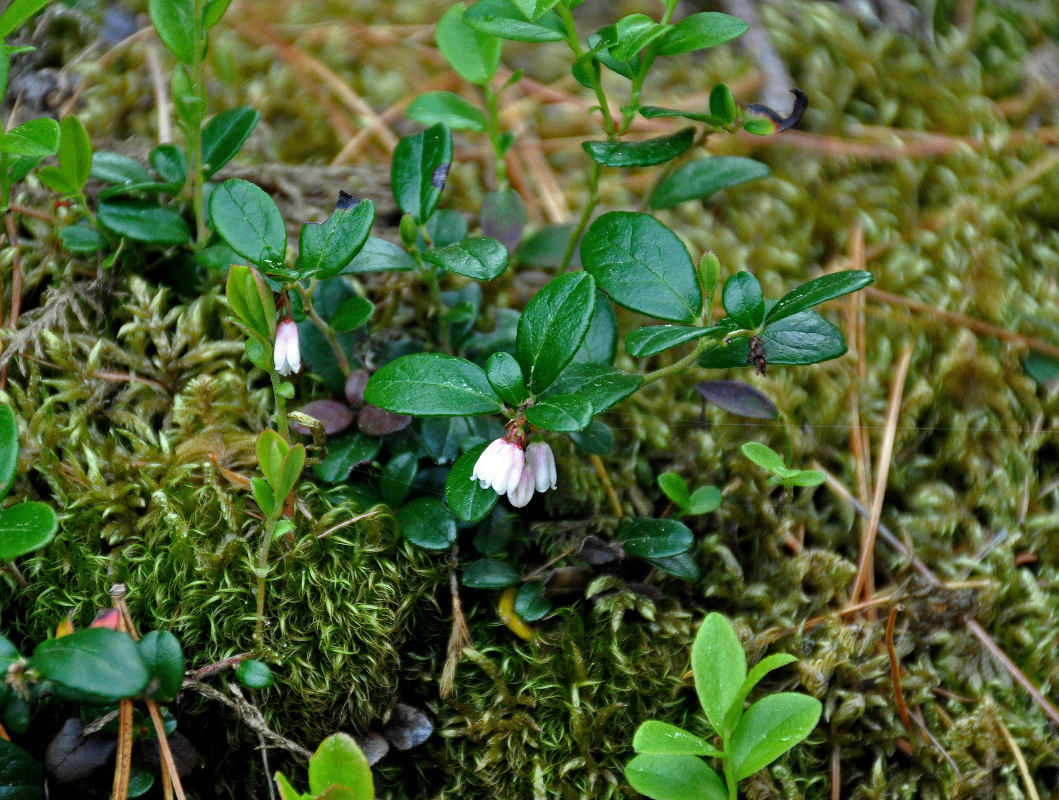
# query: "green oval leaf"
[339,762]
[21,776]
[502,18]
[771,727]
[458,114]
[144,221]
[344,453]
[505,376]
[249,221]
[326,248]
[418,171]
[702,30]
[719,665]
[118,169]
[8,449]
[468,501]
[819,290]
[254,674]
[759,671]
[223,135]
[380,255]
[699,179]
[675,488]
[24,528]
[602,385]
[704,500]
[427,523]
[646,537]
[36,139]
[805,338]
[175,22]
[682,565]
[722,103]
[640,154]
[351,314]
[658,338]
[75,151]
[475,55]
[743,300]
[642,265]
[488,573]
[17,12]
[674,777]
[170,162]
[82,239]
[478,257]
[597,438]
[601,339]
[432,385]
[564,413]
[530,604]
[93,665]
[164,659]
[661,738]
[552,327]
[395,480]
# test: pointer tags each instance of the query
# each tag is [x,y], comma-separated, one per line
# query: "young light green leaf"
[420,165]
[646,537]
[771,727]
[676,489]
[163,658]
[92,665]
[75,151]
[743,300]
[174,20]
[819,290]
[58,181]
[251,301]
[601,385]
[468,501]
[427,523]
[699,179]
[719,665]
[640,154]
[532,9]
[704,500]
[642,265]
[36,138]
[451,109]
[213,11]
[657,338]
[674,777]
[24,528]
[263,496]
[290,469]
[432,385]
[505,376]
[702,30]
[271,450]
[478,257]
[8,448]
[632,33]
[502,18]
[249,221]
[223,135]
[489,573]
[254,674]
[351,314]
[661,738]
[339,762]
[144,221]
[722,104]
[17,12]
[326,248]
[653,112]
[764,456]
[475,55]
[563,413]
[552,327]
[757,672]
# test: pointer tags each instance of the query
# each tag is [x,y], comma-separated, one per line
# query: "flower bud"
[287,356]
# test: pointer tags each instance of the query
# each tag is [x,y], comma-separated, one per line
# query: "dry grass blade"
[1020,760]
[895,668]
[459,637]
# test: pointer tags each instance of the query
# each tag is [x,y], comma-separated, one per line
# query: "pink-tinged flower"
[540,458]
[287,356]
[521,494]
[500,466]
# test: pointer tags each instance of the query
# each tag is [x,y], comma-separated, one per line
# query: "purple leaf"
[376,421]
[740,398]
[334,416]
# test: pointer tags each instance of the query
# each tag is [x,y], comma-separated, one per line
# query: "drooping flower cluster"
[508,466]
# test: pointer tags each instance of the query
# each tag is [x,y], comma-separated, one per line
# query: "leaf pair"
[254,308]
[281,466]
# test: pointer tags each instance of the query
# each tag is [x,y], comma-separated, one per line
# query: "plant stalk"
[586,215]
[322,326]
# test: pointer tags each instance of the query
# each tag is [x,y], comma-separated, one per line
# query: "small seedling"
[338,770]
[669,764]
[782,475]
[702,501]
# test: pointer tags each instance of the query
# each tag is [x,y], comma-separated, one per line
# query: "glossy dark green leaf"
[163,657]
[427,523]
[475,55]
[82,239]
[174,20]
[658,338]
[432,385]
[600,43]
[601,339]
[563,413]
[771,727]
[118,169]
[743,300]
[254,674]
[344,453]
[719,665]
[8,448]
[530,604]
[248,220]
[674,777]
[351,314]
[805,338]
[699,31]
[488,573]
[503,19]
[545,247]
[380,255]
[170,162]
[1042,368]
[144,221]
[816,291]
[95,664]
[644,153]
[646,537]
[699,179]
[585,70]
[21,776]
[141,779]
[661,738]
[642,265]
[737,397]
[600,384]
[395,480]
[597,438]
[25,527]
[223,135]
[326,248]
[552,327]
[682,565]
[420,165]
[505,376]
[458,114]
[468,501]
[478,257]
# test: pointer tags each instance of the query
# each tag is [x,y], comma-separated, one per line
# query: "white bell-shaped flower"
[287,357]
[540,458]
[500,466]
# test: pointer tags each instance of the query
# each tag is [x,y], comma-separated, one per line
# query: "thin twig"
[608,487]
[895,668]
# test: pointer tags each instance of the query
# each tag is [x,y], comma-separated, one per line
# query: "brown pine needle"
[1020,761]
[895,668]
